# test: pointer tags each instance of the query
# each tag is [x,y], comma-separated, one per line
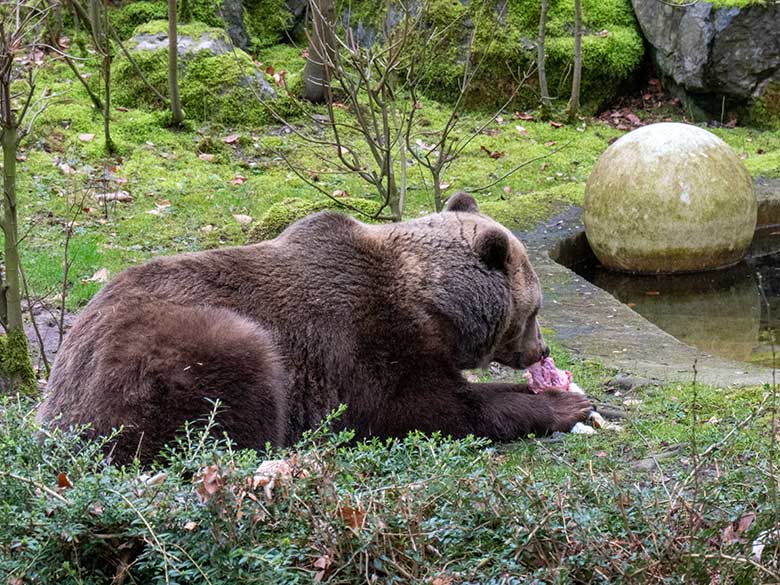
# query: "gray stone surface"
[233,15]
[768,196]
[729,51]
[594,325]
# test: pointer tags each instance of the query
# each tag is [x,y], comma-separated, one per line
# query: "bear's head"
[500,314]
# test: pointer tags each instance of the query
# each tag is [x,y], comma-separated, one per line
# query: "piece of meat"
[543,375]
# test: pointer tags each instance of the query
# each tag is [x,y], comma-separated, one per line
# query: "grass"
[158,165]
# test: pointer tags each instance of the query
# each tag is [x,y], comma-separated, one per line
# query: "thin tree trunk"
[103,44]
[574,102]
[322,48]
[11,286]
[173,52]
[540,62]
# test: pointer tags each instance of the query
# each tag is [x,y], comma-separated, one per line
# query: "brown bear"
[382,318]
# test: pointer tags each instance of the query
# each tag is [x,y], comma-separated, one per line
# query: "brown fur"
[381,318]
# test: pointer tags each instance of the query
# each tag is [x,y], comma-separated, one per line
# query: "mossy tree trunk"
[544,92]
[322,47]
[574,102]
[15,368]
[173,73]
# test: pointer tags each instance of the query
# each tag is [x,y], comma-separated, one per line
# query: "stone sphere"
[669,198]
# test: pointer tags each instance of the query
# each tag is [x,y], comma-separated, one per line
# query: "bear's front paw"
[567,409]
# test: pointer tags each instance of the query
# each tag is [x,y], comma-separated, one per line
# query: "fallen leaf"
[444,186]
[634,119]
[95,509]
[603,33]
[121,196]
[190,526]
[521,130]
[495,154]
[322,563]
[206,156]
[442,580]
[238,180]
[340,193]
[101,275]
[269,473]
[231,139]
[418,105]
[551,143]
[86,137]
[270,70]
[279,78]
[209,482]
[499,120]
[631,305]
[354,517]
[63,482]
[66,168]
[555,124]
[122,109]
[652,293]
[242,219]
[163,204]
[523,116]
[601,453]
[21,157]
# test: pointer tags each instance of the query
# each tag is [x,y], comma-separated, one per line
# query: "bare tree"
[540,62]
[574,102]
[173,74]
[21,24]
[321,51]
[98,20]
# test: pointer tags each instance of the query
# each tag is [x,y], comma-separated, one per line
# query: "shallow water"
[732,313]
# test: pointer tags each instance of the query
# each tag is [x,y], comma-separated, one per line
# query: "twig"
[37,485]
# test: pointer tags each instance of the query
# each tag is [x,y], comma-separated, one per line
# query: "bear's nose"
[545,352]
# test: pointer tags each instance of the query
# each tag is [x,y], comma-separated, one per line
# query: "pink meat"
[543,375]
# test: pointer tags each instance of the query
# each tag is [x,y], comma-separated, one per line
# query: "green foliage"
[15,363]
[286,212]
[576,509]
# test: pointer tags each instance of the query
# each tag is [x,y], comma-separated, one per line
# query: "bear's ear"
[492,246]
[462,202]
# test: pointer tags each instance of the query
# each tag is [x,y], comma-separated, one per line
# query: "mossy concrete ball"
[669,198]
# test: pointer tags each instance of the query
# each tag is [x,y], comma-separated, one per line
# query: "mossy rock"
[217,82]
[261,23]
[286,212]
[16,373]
[505,37]
[765,111]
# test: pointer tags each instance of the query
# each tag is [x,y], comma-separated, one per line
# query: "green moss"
[286,212]
[525,211]
[266,21]
[765,112]
[130,15]
[212,87]
[15,363]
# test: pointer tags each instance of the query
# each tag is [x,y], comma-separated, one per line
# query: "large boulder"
[716,53]
[669,198]
[217,81]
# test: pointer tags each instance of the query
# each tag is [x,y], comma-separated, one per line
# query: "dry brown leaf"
[209,482]
[86,137]
[95,508]
[66,168]
[206,156]
[238,180]
[526,117]
[442,580]
[443,185]
[340,193]
[190,526]
[323,563]
[101,275]
[555,124]
[242,218]
[354,517]
[521,130]
[63,482]
[230,139]
[121,196]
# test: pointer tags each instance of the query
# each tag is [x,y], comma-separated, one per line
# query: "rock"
[669,198]
[712,52]
[768,197]
[233,15]
[217,81]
